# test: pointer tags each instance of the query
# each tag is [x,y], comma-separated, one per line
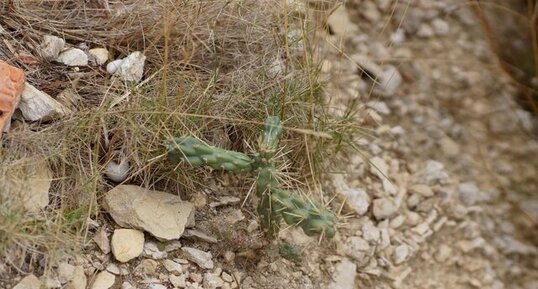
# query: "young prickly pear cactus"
[275,204]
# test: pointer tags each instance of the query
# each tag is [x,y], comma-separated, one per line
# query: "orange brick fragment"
[11,86]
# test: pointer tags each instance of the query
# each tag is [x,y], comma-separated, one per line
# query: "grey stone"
[200,258]
[172,267]
[51,46]
[131,68]
[400,254]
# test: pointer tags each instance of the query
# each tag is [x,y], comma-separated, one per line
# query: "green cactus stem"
[311,217]
[275,204]
[198,154]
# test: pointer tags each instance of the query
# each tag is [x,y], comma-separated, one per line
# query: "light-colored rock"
[36,105]
[148,266]
[356,248]
[161,214]
[425,31]
[66,272]
[127,285]
[99,56]
[73,57]
[79,280]
[29,184]
[449,147]
[227,277]
[370,232]
[420,189]
[433,173]
[201,258]
[379,106]
[369,11]
[52,282]
[101,239]
[398,36]
[224,201]
[113,66]
[103,280]
[390,80]
[127,244]
[178,281]
[340,23]
[443,253]
[358,199]
[197,234]
[400,254]
[384,208]
[28,282]
[530,207]
[380,168]
[152,250]
[440,27]
[131,68]
[470,194]
[212,281]
[172,267]
[117,171]
[344,275]
[51,46]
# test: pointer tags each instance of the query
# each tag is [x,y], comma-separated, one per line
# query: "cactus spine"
[275,204]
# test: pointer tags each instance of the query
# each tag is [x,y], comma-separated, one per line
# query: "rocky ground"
[444,195]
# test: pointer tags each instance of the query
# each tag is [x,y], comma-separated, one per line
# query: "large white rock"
[51,46]
[127,244]
[28,282]
[36,105]
[73,57]
[29,184]
[163,215]
[131,68]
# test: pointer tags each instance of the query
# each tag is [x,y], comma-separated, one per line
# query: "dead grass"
[210,72]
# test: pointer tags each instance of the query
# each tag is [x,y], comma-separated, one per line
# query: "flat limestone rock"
[163,215]
[28,282]
[127,244]
[36,105]
[11,86]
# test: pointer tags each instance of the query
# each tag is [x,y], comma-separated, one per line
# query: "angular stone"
[51,46]
[101,239]
[131,68]
[127,244]
[11,86]
[161,214]
[201,258]
[36,105]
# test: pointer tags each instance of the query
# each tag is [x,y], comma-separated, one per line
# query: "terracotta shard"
[11,86]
